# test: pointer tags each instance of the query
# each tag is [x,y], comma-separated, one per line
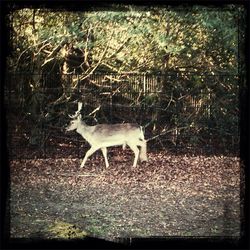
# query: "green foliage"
[139,38]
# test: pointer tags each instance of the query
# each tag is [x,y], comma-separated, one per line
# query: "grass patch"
[64,230]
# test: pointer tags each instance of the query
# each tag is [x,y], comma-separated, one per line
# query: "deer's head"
[74,124]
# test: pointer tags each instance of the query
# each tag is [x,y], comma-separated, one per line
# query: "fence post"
[144,83]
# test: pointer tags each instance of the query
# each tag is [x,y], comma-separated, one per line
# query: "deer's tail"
[143,151]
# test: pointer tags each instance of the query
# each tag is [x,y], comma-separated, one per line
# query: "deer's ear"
[79,117]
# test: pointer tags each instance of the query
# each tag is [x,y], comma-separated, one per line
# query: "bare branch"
[98,63]
[165,132]
[54,52]
[95,110]
[44,46]
[120,48]
[86,45]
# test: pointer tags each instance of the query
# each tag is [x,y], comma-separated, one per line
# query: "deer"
[102,136]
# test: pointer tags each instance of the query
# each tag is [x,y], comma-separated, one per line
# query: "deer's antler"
[77,113]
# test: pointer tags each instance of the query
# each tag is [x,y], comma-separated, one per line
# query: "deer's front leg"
[87,155]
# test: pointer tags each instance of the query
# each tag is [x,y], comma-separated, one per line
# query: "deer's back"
[106,135]
[113,129]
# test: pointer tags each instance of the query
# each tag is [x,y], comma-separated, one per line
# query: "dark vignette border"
[161,243]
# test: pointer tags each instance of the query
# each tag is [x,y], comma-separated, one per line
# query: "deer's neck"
[85,131]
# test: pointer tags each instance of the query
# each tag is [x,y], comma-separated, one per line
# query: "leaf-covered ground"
[171,195]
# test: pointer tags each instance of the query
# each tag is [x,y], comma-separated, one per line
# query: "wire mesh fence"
[180,110]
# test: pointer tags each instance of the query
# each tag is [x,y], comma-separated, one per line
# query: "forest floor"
[171,195]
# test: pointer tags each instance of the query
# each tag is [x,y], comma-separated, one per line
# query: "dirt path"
[170,196]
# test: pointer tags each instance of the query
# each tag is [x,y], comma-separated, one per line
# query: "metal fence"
[194,110]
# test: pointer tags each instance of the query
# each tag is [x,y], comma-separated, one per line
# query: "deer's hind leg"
[136,151]
[104,152]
